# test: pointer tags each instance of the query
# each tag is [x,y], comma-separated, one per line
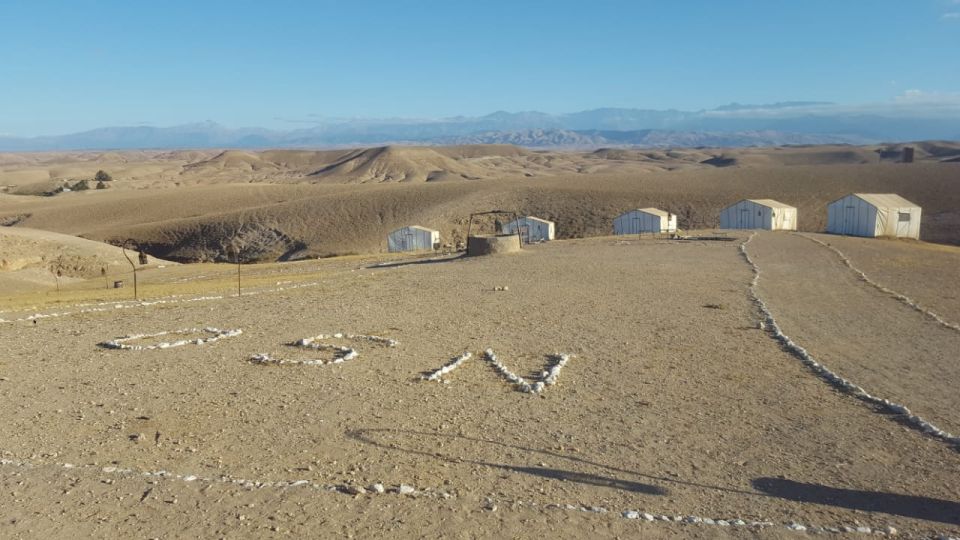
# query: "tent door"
[849,220]
[744,220]
[903,223]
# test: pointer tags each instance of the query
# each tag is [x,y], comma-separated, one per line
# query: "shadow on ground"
[911,506]
[367,436]
[399,264]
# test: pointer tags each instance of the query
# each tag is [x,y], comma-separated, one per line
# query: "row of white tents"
[416,238]
[857,214]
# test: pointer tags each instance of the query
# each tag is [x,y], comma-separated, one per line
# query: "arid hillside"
[280,204]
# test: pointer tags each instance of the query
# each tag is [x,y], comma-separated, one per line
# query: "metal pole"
[516,220]
[469,226]
[123,247]
[238,272]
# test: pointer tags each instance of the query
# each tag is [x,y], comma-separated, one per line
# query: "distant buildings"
[645,220]
[413,238]
[766,214]
[874,214]
[532,229]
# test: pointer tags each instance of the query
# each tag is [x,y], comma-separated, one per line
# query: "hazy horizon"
[71,68]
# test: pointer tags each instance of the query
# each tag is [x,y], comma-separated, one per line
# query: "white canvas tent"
[532,229]
[765,214]
[413,238]
[874,214]
[645,220]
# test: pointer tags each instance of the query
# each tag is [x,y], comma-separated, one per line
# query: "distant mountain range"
[728,126]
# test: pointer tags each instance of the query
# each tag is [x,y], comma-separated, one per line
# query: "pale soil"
[927,273]
[859,332]
[669,406]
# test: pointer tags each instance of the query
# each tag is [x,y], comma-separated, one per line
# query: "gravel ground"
[928,273]
[674,403]
[861,333]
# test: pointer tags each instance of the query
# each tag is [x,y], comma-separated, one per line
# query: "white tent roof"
[885,200]
[770,203]
[651,211]
[418,227]
[655,211]
[531,218]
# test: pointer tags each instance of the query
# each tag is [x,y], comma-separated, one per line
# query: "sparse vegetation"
[102,176]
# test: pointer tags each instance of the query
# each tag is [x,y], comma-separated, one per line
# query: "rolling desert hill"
[287,204]
[280,204]
[392,164]
[31,257]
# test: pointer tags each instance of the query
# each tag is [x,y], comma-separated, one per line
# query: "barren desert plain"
[770,384]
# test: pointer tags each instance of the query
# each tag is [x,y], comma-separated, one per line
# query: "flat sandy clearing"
[675,403]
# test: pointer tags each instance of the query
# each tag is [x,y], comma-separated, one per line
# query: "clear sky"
[74,64]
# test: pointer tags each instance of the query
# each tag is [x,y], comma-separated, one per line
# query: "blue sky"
[73,65]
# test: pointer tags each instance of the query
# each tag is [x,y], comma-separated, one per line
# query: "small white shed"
[532,229]
[874,214]
[766,214]
[413,238]
[645,220]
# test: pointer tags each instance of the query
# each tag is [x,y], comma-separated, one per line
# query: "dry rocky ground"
[675,402]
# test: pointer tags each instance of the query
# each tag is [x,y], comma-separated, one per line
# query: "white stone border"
[906,300]
[547,378]
[411,491]
[447,368]
[216,335]
[103,307]
[770,324]
[341,353]
[350,489]
[682,519]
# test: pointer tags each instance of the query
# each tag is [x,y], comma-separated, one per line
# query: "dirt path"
[927,273]
[859,332]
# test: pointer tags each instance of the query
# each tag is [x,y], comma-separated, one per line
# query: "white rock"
[631,514]
[355,490]
[406,490]
[378,488]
